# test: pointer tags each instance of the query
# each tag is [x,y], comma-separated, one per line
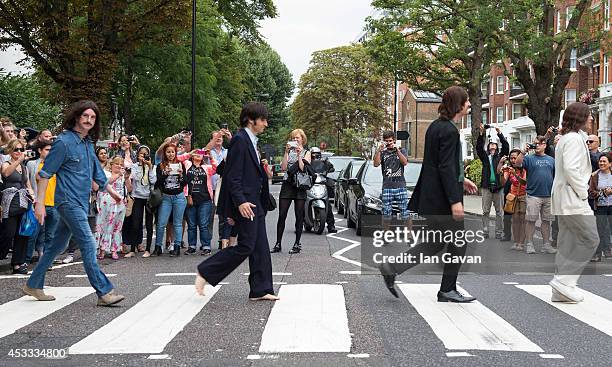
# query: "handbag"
[130,202]
[302,180]
[92,211]
[155,199]
[271,203]
[29,224]
[510,205]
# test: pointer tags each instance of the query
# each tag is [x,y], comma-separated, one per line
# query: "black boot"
[157,251]
[296,248]
[176,251]
[276,248]
[331,229]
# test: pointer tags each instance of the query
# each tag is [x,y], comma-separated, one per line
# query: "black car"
[342,183]
[339,163]
[364,192]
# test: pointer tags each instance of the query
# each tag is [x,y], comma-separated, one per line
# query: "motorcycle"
[316,205]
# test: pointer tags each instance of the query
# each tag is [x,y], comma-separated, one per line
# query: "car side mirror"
[352,181]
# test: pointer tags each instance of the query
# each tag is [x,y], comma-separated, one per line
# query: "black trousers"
[331,221]
[252,243]
[9,234]
[451,270]
[133,225]
[507,225]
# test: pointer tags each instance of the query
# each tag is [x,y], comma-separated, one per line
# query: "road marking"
[351,272]
[159,356]
[278,274]
[85,275]
[158,318]
[174,274]
[14,276]
[593,311]
[552,356]
[253,356]
[162,283]
[353,244]
[465,326]
[361,355]
[66,265]
[310,318]
[532,273]
[458,354]
[25,310]
[341,282]
[510,283]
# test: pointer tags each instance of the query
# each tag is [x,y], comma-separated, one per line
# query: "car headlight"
[372,202]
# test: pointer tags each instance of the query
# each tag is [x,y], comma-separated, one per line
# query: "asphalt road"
[230,330]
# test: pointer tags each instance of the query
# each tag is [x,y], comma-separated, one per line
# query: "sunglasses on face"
[590,141]
[19,150]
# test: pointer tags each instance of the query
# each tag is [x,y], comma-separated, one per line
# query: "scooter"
[316,205]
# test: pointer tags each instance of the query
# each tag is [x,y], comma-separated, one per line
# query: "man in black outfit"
[438,195]
[324,167]
[245,200]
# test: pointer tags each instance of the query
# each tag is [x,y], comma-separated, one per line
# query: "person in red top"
[518,178]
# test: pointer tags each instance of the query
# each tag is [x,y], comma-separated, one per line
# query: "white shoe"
[529,248]
[548,249]
[516,247]
[68,259]
[558,297]
[568,292]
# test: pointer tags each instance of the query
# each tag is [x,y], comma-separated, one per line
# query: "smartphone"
[202,151]
[223,126]
[29,154]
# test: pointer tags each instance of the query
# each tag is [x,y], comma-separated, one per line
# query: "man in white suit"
[578,236]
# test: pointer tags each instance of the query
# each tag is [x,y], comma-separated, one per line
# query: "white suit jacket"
[572,174]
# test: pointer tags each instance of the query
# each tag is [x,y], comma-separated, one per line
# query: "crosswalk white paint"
[308,318]
[157,319]
[25,310]
[593,311]
[465,326]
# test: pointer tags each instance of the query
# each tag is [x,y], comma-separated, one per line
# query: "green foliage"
[474,171]
[21,100]
[341,91]
[243,16]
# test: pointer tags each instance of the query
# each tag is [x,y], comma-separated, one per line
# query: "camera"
[147,157]
[555,130]
[487,126]
[29,154]
[531,146]
[223,126]
[292,144]
[131,138]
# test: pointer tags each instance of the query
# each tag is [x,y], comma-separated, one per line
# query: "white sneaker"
[516,247]
[548,249]
[68,259]
[572,294]
[529,248]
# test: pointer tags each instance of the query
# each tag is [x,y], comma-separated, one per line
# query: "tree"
[340,91]
[21,100]
[540,53]
[431,45]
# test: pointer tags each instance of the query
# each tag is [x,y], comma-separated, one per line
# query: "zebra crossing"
[309,318]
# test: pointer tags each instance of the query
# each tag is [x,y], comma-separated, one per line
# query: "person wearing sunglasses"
[594,153]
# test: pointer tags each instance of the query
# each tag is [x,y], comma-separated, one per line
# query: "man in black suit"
[438,195]
[245,199]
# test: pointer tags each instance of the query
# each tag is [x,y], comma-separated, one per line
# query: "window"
[516,143]
[568,15]
[570,96]
[528,138]
[558,29]
[507,82]
[573,60]
[500,84]
[515,83]
[485,117]
[499,115]
[484,88]
[607,4]
[606,69]
[517,110]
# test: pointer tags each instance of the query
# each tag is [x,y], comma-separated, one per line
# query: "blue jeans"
[44,236]
[174,204]
[228,230]
[72,222]
[199,216]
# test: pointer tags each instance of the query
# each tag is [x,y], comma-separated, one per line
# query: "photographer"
[392,161]
[125,149]
[515,176]
[218,153]
[492,192]
[324,167]
[540,175]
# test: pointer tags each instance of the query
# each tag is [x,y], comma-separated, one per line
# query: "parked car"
[340,163]
[342,183]
[363,195]
[277,174]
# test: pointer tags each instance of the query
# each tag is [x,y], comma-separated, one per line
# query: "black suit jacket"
[438,186]
[244,179]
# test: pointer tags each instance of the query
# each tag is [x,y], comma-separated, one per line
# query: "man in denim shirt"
[73,161]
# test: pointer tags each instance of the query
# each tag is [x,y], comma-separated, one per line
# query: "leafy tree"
[341,91]
[21,100]
[432,46]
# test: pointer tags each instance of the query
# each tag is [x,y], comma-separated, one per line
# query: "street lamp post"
[193,72]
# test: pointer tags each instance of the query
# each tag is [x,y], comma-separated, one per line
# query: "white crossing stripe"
[593,311]
[85,275]
[157,319]
[23,311]
[465,326]
[307,318]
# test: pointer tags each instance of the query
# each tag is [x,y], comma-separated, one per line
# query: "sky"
[305,26]
[302,27]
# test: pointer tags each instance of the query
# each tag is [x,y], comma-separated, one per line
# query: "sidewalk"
[472,204]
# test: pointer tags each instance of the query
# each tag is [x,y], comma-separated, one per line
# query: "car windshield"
[339,163]
[356,166]
[373,175]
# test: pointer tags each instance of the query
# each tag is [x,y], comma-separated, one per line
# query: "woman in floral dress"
[111,213]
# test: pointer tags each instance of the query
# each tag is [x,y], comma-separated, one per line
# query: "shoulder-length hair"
[12,145]
[301,133]
[75,113]
[575,117]
[453,100]
[165,162]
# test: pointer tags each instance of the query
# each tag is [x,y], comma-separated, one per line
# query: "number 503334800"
[37,353]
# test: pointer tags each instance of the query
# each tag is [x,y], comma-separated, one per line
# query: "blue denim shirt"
[74,162]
